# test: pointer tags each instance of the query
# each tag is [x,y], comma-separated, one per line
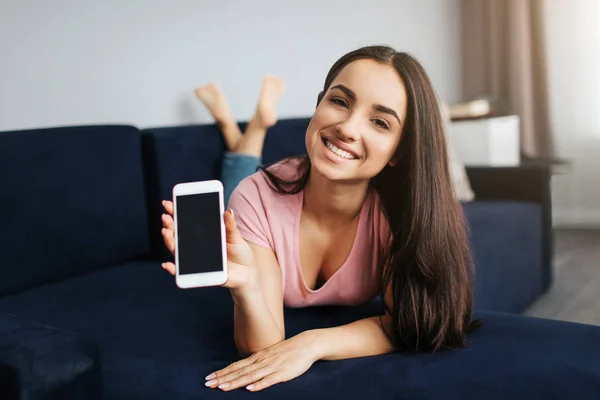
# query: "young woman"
[369,210]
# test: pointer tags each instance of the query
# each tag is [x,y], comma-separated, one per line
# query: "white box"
[487,142]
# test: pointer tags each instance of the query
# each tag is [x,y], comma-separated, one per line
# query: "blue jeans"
[234,168]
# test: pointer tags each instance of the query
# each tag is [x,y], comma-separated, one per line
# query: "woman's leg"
[235,166]
[216,103]
[247,155]
[244,151]
[264,117]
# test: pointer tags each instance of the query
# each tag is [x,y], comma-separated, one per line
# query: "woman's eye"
[382,124]
[339,102]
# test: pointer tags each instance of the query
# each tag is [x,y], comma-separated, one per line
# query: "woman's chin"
[333,172]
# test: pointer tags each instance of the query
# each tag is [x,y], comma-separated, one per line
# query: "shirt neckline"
[361,221]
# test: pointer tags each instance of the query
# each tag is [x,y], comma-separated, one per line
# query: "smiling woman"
[370,209]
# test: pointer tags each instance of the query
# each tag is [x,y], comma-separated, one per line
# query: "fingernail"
[224,385]
[209,377]
[210,383]
[232,214]
[250,387]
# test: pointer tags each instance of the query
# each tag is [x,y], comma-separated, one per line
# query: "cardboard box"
[487,142]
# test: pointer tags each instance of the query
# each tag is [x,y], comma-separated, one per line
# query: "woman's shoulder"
[379,221]
[288,169]
[259,208]
[262,185]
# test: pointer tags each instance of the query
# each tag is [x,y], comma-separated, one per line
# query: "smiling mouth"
[337,151]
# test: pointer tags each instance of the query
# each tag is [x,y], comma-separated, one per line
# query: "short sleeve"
[248,205]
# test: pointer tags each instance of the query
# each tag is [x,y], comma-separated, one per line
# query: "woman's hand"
[281,362]
[240,257]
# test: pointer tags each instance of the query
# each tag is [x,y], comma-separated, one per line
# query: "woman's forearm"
[255,327]
[362,338]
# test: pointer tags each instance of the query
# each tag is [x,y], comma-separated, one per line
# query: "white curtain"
[573,51]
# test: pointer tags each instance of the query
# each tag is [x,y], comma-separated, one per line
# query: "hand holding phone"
[197,258]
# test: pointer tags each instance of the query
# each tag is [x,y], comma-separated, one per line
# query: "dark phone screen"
[199,233]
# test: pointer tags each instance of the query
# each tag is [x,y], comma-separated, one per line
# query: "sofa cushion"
[194,153]
[158,342]
[73,201]
[506,240]
[42,362]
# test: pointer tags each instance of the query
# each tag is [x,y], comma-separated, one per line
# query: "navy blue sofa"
[86,312]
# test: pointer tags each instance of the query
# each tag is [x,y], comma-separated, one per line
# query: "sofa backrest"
[73,200]
[193,153]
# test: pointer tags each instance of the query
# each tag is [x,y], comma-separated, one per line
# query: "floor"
[575,295]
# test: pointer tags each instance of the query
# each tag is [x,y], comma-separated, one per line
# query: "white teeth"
[339,152]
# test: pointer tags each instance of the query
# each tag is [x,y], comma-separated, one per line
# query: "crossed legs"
[265,116]
[244,150]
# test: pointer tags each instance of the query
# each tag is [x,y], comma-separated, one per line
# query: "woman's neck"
[333,203]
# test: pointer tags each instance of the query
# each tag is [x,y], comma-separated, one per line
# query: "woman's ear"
[393,162]
[319,98]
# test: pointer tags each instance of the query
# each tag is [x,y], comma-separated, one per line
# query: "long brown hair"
[427,267]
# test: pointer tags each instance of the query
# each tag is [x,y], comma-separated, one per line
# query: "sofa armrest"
[528,182]
[42,362]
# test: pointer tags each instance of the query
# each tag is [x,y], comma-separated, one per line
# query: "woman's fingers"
[169,239]
[238,374]
[167,221]
[266,382]
[167,233]
[168,206]
[233,235]
[231,367]
[169,267]
[168,226]
[246,379]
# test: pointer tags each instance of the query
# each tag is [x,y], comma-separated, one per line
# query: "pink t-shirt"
[269,219]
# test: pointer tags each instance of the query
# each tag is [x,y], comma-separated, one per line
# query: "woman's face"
[357,125]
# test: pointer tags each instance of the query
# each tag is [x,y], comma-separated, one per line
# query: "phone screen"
[199,233]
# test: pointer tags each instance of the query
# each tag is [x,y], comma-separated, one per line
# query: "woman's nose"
[349,129]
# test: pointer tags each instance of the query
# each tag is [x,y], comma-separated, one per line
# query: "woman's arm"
[365,337]
[254,279]
[258,306]
[290,358]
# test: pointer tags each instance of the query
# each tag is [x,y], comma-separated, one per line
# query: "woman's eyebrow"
[346,91]
[387,110]
[377,107]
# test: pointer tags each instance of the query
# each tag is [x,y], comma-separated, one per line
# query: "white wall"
[573,43]
[133,61]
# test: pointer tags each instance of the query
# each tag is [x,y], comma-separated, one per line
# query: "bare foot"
[216,103]
[265,117]
[270,93]
[214,100]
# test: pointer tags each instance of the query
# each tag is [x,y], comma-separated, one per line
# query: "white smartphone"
[200,247]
